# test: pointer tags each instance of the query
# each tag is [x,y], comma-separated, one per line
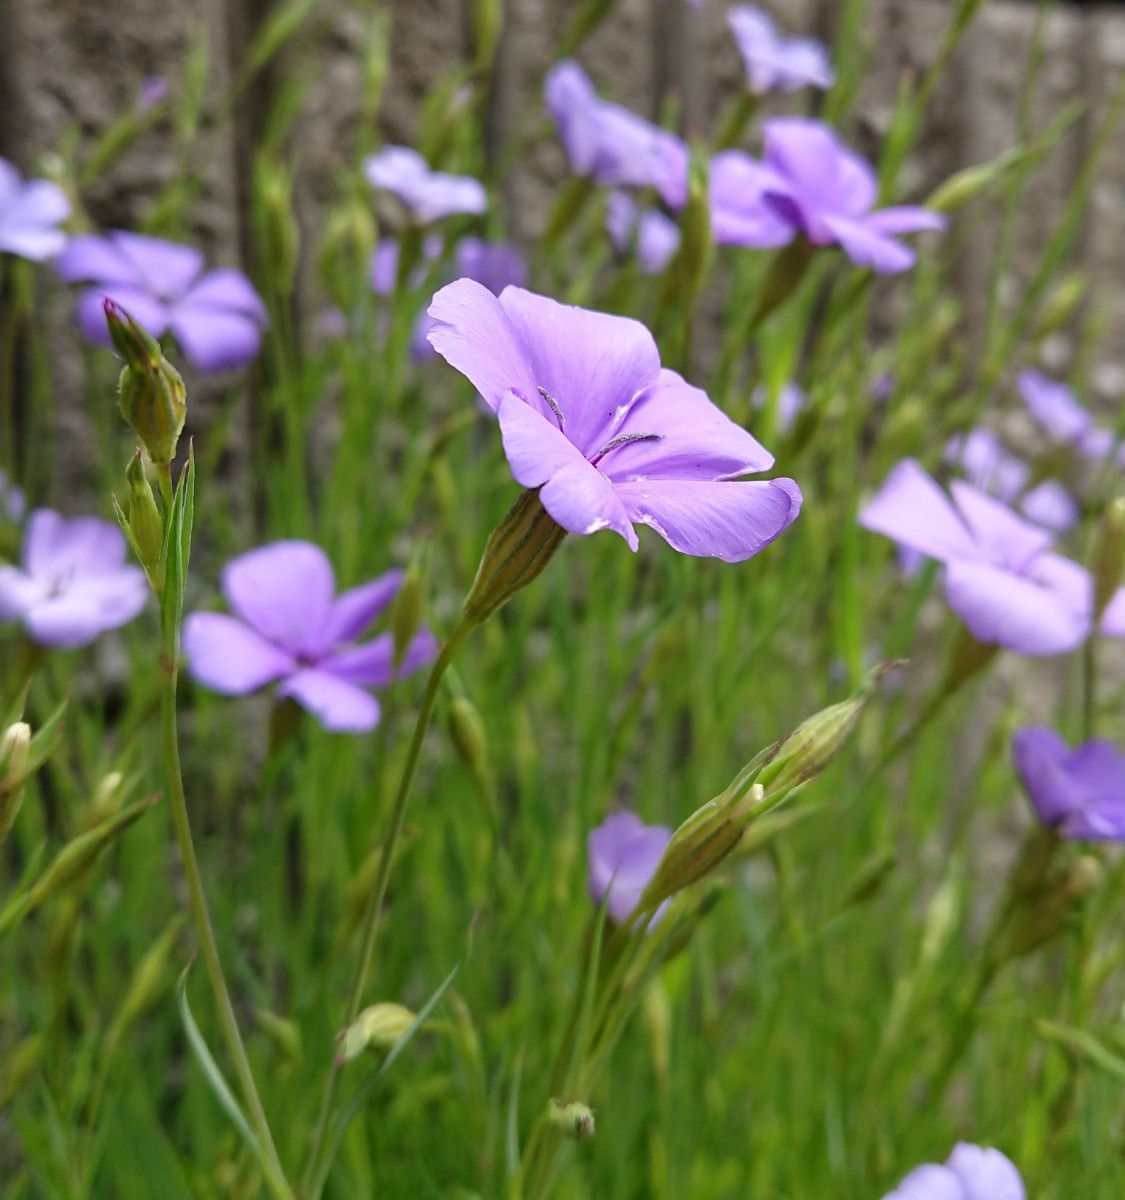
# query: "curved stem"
[379,890]
[203,925]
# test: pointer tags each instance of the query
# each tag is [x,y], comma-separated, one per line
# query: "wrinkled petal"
[697,439]
[214,340]
[582,500]
[370,665]
[473,333]
[593,364]
[339,706]
[535,447]
[985,1173]
[229,657]
[354,610]
[1000,607]
[284,591]
[152,314]
[729,521]
[915,512]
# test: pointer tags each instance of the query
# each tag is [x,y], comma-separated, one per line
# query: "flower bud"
[150,391]
[467,732]
[571,1118]
[1109,556]
[276,225]
[15,750]
[518,549]
[148,978]
[376,1028]
[408,608]
[1060,305]
[145,525]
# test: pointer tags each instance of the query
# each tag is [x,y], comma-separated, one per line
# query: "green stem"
[204,928]
[378,891]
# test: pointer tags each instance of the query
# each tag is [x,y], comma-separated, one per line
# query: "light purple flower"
[790,402]
[1049,504]
[611,144]
[826,192]
[73,582]
[653,236]
[588,416]
[154,89]
[621,855]
[1058,413]
[775,63]
[290,626]
[12,501]
[1001,577]
[1079,792]
[970,1173]
[30,215]
[740,212]
[427,195]
[383,274]
[216,316]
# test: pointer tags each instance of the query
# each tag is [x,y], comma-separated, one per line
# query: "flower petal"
[697,439]
[370,665]
[65,621]
[985,1174]
[355,609]
[227,656]
[740,213]
[284,591]
[915,512]
[582,500]
[473,333]
[166,268]
[96,259]
[1039,754]
[866,247]
[818,166]
[339,706]
[214,339]
[930,1182]
[18,592]
[226,289]
[729,521]
[535,446]
[136,302]
[593,364]
[1001,607]
[57,548]
[1001,535]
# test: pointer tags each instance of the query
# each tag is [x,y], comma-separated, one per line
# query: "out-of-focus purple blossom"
[290,626]
[30,215]
[1001,577]
[154,89]
[216,316]
[609,143]
[987,465]
[12,501]
[588,416]
[1058,413]
[426,195]
[72,582]
[790,402]
[970,1173]
[775,63]
[740,213]
[654,236]
[621,855]
[383,275]
[1081,792]
[826,191]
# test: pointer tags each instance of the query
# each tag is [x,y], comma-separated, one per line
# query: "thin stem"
[203,926]
[1089,686]
[379,890]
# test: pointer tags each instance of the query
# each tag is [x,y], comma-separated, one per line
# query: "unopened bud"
[1061,305]
[147,981]
[374,60]
[15,750]
[572,1119]
[408,608]
[106,801]
[150,391]
[144,521]
[517,551]
[376,1028]
[278,235]
[488,24]
[1109,556]
[466,729]
[968,185]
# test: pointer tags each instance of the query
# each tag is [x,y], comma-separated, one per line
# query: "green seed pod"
[144,521]
[15,750]
[376,1028]
[467,732]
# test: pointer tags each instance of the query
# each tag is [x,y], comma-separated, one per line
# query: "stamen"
[624,439]
[554,408]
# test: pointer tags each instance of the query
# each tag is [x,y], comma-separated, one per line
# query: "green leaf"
[1083,1045]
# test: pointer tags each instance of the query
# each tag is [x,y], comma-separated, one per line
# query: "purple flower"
[216,316]
[654,236]
[1079,792]
[775,63]
[1058,413]
[30,214]
[73,582]
[383,274]
[621,856]
[154,90]
[12,501]
[826,192]
[740,212]
[790,402]
[970,1173]
[1001,577]
[588,416]
[1049,504]
[611,144]
[290,625]
[427,195]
